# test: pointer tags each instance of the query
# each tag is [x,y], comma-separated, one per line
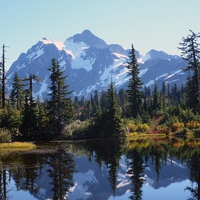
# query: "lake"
[151,169]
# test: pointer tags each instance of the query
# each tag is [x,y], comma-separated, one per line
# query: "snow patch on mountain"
[34,55]
[117,71]
[89,89]
[120,56]
[79,63]
[60,45]
[142,72]
[20,66]
[151,82]
[174,73]
[75,48]
[43,88]
[144,58]
[77,52]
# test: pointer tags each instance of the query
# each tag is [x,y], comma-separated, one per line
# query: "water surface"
[103,169]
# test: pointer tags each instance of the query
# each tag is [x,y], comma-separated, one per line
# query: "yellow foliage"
[130,127]
[193,143]
[143,127]
[132,144]
[192,124]
[177,126]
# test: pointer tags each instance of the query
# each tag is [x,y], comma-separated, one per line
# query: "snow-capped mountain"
[90,63]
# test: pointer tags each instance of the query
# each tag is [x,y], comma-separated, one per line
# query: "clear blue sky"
[155,24]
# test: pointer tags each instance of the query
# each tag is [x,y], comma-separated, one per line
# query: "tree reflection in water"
[194,166]
[28,172]
[60,170]
[135,170]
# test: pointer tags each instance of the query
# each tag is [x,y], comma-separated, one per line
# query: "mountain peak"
[87,32]
[88,38]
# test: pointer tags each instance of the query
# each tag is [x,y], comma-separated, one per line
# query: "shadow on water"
[102,169]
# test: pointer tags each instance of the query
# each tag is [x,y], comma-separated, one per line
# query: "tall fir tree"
[59,104]
[113,120]
[135,85]
[191,53]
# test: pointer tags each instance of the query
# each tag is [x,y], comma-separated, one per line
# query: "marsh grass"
[17,146]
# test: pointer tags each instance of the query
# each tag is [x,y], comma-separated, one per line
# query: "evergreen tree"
[135,85]
[94,102]
[29,118]
[163,90]
[41,115]
[59,105]
[86,111]
[113,121]
[98,121]
[103,100]
[122,96]
[76,108]
[191,53]
[17,96]
[29,126]
[155,99]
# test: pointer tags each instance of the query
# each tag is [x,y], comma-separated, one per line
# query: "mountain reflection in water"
[103,170]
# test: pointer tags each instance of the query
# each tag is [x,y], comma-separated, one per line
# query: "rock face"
[90,63]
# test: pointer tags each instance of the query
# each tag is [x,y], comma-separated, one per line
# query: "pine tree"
[59,104]
[191,53]
[135,85]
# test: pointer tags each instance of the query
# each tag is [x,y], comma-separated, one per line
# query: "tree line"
[103,114]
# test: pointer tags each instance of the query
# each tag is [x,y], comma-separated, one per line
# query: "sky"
[155,24]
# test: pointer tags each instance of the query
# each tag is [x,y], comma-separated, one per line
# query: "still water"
[103,170]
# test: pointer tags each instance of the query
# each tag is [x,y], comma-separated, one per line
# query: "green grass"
[17,146]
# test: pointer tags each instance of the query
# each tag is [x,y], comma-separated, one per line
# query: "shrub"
[77,129]
[163,129]
[143,127]
[177,126]
[192,124]
[5,135]
[188,115]
[130,128]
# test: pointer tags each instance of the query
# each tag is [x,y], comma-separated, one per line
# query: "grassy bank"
[134,136]
[17,146]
